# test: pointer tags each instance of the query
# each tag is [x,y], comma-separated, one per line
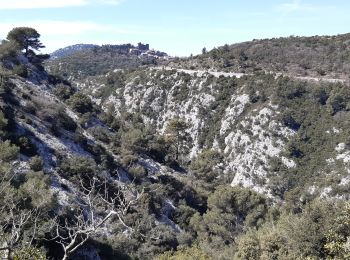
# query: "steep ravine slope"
[253,121]
[194,132]
[239,153]
[66,143]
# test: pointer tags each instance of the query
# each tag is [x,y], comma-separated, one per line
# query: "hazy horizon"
[179,28]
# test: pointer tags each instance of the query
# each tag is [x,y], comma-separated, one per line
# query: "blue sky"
[179,27]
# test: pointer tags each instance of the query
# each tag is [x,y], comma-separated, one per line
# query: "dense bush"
[230,210]
[101,134]
[80,103]
[137,173]
[134,140]
[26,146]
[63,92]
[338,235]
[192,253]
[292,236]
[36,189]
[55,117]
[8,151]
[8,51]
[36,163]
[78,167]
[203,166]
[21,71]
[29,253]
[3,125]
[6,86]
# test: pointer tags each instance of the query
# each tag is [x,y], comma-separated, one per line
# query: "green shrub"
[337,237]
[286,236]
[190,253]
[63,92]
[8,151]
[158,148]
[21,71]
[338,102]
[5,85]
[36,163]
[137,173]
[36,189]
[8,51]
[64,121]
[55,118]
[127,157]
[134,140]
[101,134]
[80,103]
[78,167]
[182,216]
[29,253]
[3,125]
[230,210]
[26,146]
[202,167]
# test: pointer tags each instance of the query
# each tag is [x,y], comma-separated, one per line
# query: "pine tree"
[26,38]
[176,134]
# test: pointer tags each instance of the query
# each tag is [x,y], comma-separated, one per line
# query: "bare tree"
[14,220]
[13,224]
[97,206]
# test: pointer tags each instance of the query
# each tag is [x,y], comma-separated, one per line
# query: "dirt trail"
[202,72]
[238,75]
[320,79]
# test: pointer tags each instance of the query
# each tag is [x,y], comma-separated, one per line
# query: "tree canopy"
[176,133]
[26,38]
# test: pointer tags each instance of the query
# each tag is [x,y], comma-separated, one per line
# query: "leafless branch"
[13,224]
[89,218]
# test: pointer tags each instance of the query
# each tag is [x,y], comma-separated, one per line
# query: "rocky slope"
[73,144]
[212,163]
[246,118]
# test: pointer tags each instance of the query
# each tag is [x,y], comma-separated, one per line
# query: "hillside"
[317,56]
[127,161]
[57,146]
[95,60]
[257,122]
[69,50]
